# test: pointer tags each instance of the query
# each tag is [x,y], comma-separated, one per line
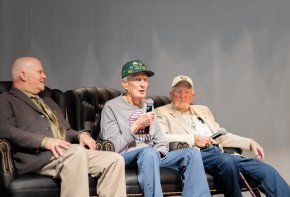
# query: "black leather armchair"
[84,107]
[29,185]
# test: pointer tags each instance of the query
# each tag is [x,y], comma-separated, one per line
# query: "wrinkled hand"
[56,146]
[257,149]
[88,141]
[203,141]
[143,121]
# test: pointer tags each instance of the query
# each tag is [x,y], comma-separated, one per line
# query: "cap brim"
[149,73]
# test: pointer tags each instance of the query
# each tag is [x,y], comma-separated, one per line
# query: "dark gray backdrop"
[236,51]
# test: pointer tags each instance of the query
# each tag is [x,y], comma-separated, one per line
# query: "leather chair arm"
[177,145]
[180,145]
[6,157]
[99,145]
[109,146]
[232,150]
[7,171]
[105,145]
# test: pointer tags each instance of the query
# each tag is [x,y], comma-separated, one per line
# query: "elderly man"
[195,124]
[42,139]
[123,121]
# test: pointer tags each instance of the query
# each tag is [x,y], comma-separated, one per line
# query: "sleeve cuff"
[43,143]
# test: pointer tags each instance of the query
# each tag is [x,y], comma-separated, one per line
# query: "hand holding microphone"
[206,141]
[145,120]
[203,141]
[149,108]
[221,131]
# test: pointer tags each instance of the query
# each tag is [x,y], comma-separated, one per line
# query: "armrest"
[233,150]
[180,145]
[6,157]
[99,145]
[108,146]
[105,145]
[177,145]
[7,171]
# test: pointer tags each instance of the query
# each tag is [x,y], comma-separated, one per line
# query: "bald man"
[42,139]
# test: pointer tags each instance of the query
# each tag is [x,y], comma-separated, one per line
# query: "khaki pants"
[75,165]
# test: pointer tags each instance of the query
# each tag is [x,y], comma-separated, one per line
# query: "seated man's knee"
[268,171]
[78,152]
[226,161]
[77,149]
[119,159]
[149,153]
[191,152]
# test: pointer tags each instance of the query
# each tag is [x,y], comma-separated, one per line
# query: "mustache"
[176,104]
[181,100]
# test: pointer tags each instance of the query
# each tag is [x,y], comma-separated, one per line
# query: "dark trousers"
[226,168]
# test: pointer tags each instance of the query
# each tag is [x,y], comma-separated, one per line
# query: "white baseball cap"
[181,78]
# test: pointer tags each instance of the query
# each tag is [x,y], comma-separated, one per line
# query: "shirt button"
[42,116]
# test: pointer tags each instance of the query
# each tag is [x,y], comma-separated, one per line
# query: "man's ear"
[124,84]
[171,94]
[193,93]
[22,76]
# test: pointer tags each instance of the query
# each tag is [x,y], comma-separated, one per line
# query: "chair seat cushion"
[170,180]
[34,185]
[29,185]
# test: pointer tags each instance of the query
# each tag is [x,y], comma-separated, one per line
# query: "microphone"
[149,108]
[201,120]
[222,131]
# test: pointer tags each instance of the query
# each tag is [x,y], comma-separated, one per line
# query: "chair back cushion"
[160,100]
[55,94]
[5,86]
[85,105]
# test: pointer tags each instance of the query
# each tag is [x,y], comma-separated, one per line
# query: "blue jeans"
[226,168]
[186,161]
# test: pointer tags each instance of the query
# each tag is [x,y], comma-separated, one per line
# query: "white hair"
[16,69]
[21,64]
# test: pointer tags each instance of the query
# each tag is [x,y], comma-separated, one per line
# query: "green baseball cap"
[133,67]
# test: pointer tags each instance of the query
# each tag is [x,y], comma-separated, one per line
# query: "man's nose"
[182,95]
[142,83]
